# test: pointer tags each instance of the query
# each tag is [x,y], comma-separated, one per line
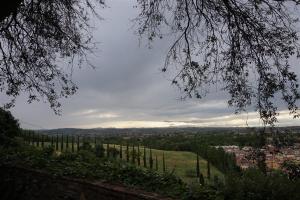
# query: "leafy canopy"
[244,45]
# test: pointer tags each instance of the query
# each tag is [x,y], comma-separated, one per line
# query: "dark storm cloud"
[127,87]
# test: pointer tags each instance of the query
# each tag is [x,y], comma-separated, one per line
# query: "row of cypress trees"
[135,156]
[73,143]
[59,141]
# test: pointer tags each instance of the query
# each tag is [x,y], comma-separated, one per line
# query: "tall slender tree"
[145,157]
[78,142]
[121,152]
[42,141]
[150,159]
[164,163]
[67,143]
[133,154]
[62,143]
[52,141]
[201,179]
[114,151]
[56,144]
[37,140]
[138,155]
[95,140]
[107,150]
[156,163]
[198,167]
[73,141]
[127,152]
[208,169]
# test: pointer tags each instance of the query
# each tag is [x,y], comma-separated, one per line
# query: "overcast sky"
[127,88]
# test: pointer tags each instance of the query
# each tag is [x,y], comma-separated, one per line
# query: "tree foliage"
[244,45]
[9,126]
[37,39]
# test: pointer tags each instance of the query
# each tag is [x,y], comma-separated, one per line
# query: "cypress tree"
[121,152]
[138,155]
[56,145]
[156,163]
[42,142]
[52,141]
[164,164]
[67,142]
[198,167]
[95,140]
[73,143]
[114,151]
[133,154]
[127,153]
[78,143]
[208,169]
[62,143]
[201,179]
[107,150]
[37,140]
[30,138]
[144,157]
[150,159]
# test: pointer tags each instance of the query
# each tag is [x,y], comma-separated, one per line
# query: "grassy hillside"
[184,164]
[181,162]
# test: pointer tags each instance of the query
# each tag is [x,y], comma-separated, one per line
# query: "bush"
[99,151]
[9,127]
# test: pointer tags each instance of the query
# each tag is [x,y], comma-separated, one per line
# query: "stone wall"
[19,183]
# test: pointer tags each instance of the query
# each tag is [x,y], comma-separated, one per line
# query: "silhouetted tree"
[245,45]
[150,159]
[127,152]
[156,163]
[107,150]
[56,144]
[99,150]
[198,167]
[145,157]
[201,179]
[37,140]
[121,152]
[138,155]
[67,142]
[73,141]
[208,169]
[9,126]
[95,140]
[52,141]
[78,143]
[163,162]
[62,142]
[133,154]
[34,34]
[43,141]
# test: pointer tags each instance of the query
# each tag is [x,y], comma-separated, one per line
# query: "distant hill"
[161,131]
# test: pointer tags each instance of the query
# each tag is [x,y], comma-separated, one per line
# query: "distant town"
[275,156]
